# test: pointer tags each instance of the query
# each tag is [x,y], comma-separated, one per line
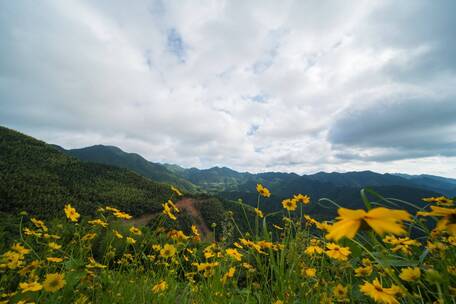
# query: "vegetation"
[362,256]
[37,178]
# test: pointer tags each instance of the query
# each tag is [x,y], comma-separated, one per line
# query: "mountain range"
[223,179]
[40,178]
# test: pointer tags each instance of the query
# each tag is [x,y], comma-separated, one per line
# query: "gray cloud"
[293,86]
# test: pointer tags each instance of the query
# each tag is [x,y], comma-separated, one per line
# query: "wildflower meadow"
[382,254]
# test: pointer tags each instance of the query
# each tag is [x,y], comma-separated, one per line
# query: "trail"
[186,204]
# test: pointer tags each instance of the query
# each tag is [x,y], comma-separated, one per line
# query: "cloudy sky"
[298,86]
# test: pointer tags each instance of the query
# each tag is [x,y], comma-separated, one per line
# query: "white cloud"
[252,85]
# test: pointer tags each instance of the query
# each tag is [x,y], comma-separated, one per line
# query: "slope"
[37,178]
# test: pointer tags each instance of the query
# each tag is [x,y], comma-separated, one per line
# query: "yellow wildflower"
[337,252]
[89,236]
[289,204]
[232,252]
[122,215]
[380,294]
[135,230]
[259,213]
[167,211]
[131,240]
[71,213]
[311,250]
[341,293]
[54,245]
[20,249]
[32,286]
[54,282]
[160,287]
[305,199]
[195,230]
[175,190]
[380,219]
[54,259]
[446,223]
[309,272]
[117,234]
[263,191]
[228,275]
[98,222]
[363,271]
[410,274]
[39,224]
[168,251]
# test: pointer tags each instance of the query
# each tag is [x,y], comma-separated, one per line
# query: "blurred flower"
[380,219]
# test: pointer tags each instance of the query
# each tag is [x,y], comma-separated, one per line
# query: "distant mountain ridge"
[114,156]
[223,179]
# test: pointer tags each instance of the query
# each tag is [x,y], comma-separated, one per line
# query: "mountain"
[114,156]
[38,178]
[440,184]
[223,180]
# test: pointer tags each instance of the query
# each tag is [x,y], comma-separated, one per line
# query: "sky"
[293,86]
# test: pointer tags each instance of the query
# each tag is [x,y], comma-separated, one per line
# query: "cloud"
[291,86]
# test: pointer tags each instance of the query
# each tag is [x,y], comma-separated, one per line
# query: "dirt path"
[186,204]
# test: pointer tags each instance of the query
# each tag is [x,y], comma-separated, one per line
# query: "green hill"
[37,178]
[114,156]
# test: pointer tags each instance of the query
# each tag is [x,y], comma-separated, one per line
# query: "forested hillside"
[37,178]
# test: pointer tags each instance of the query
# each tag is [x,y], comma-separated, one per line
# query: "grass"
[108,261]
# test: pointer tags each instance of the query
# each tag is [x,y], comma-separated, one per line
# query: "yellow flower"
[410,274]
[95,264]
[442,200]
[39,224]
[98,222]
[12,259]
[195,230]
[341,293]
[337,252]
[309,272]
[259,213]
[289,204]
[89,236]
[53,282]
[363,271]
[311,250]
[54,259]
[401,244]
[117,234]
[305,199]
[54,245]
[32,286]
[122,215]
[20,249]
[167,211]
[175,190]
[168,251]
[160,287]
[380,294]
[131,241]
[380,219]
[446,223]
[263,191]
[135,230]
[232,252]
[71,213]
[228,275]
